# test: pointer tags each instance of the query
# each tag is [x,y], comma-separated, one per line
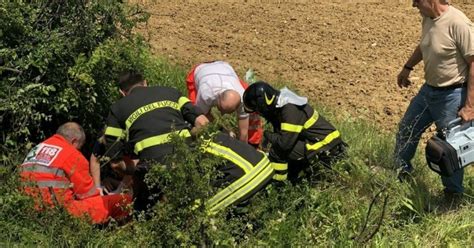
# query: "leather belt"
[450,87]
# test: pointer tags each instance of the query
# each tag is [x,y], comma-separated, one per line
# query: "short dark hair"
[129,79]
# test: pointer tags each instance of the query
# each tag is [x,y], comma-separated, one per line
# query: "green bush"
[60,60]
[41,44]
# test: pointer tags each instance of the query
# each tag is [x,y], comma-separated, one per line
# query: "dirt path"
[345,54]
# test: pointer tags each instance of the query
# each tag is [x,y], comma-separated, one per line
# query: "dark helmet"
[260,97]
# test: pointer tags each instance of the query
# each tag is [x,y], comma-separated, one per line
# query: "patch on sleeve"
[42,154]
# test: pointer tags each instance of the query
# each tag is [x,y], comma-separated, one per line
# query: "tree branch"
[10,69]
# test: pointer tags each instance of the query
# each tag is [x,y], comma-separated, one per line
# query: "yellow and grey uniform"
[244,172]
[145,119]
[299,134]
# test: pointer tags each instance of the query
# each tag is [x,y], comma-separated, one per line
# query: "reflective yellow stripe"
[332,136]
[298,128]
[48,183]
[147,108]
[43,169]
[182,100]
[238,191]
[227,153]
[158,140]
[313,119]
[113,131]
[291,127]
[264,163]
[280,177]
[280,166]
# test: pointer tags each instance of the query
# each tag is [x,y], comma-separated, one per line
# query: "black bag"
[441,156]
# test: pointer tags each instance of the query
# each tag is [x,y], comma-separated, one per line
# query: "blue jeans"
[428,106]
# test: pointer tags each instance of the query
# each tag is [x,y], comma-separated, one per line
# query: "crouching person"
[244,172]
[300,136]
[55,173]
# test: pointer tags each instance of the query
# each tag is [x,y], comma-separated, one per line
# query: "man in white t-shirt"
[446,48]
[217,84]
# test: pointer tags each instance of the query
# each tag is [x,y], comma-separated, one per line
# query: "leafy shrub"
[40,45]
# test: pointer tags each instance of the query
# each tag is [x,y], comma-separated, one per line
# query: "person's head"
[228,101]
[261,97]
[130,80]
[73,133]
[431,8]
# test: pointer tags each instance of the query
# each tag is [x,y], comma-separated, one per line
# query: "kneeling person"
[300,134]
[217,84]
[56,173]
[244,172]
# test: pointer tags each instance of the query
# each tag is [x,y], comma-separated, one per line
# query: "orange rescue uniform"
[56,173]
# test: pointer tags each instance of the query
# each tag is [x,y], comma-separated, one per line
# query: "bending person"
[56,173]
[215,84]
[300,137]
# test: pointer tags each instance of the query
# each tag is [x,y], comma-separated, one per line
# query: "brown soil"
[342,54]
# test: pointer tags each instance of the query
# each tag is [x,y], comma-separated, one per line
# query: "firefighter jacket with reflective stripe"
[244,173]
[58,172]
[145,119]
[255,130]
[292,123]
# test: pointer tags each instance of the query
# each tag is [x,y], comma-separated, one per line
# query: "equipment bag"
[441,156]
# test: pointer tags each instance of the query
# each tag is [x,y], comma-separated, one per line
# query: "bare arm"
[243,124]
[126,166]
[467,112]
[95,170]
[199,123]
[415,58]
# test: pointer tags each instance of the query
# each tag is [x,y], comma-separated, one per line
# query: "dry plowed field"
[342,54]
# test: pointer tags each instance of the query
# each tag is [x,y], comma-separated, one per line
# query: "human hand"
[201,121]
[119,166]
[232,134]
[101,190]
[466,113]
[402,78]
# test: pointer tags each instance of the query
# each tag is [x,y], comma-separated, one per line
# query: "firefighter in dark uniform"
[145,118]
[300,137]
[244,172]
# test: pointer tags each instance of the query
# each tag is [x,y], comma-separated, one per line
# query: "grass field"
[359,202]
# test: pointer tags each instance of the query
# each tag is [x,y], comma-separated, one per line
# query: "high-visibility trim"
[280,166]
[249,185]
[313,119]
[159,139]
[182,100]
[280,177]
[227,153]
[147,108]
[291,127]
[43,169]
[113,131]
[92,191]
[48,183]
[316,146]
[239,182]
[298,128]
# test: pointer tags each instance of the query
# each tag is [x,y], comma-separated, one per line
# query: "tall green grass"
[331,209]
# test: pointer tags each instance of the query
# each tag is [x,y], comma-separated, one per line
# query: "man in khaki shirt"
[446,48]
